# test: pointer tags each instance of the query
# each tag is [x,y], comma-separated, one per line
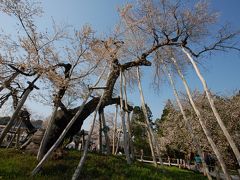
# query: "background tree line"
[175,138]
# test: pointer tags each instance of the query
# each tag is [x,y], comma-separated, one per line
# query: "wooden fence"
[181,163]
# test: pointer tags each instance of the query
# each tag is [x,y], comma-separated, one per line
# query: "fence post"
[17,138]
[141,151]
[184,163]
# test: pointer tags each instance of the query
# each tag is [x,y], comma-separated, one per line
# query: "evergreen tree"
[139,130]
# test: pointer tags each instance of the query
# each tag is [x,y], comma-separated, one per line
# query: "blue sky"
[220,70]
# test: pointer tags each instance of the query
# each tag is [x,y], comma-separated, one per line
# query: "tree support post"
[187,122]
[83,158]
[214,109]
[125,135]
[203,125]
[152,140]
[114,129]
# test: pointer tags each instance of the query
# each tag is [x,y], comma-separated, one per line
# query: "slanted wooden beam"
[104,87]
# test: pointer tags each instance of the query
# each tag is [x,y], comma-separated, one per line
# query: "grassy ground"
[16,165]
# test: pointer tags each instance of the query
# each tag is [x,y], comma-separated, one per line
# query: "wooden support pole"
[114,129]
[202,123]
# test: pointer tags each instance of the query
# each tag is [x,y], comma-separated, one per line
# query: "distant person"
[25,117]
[190,158]
[76,140]
[198,162]
[212,163]
[207,159]
[94,149]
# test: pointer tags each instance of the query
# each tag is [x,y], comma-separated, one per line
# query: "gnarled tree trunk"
[65,131]
[63,117]
[57,104]
[61,137]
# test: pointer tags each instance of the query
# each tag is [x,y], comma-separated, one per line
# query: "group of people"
[208,159]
